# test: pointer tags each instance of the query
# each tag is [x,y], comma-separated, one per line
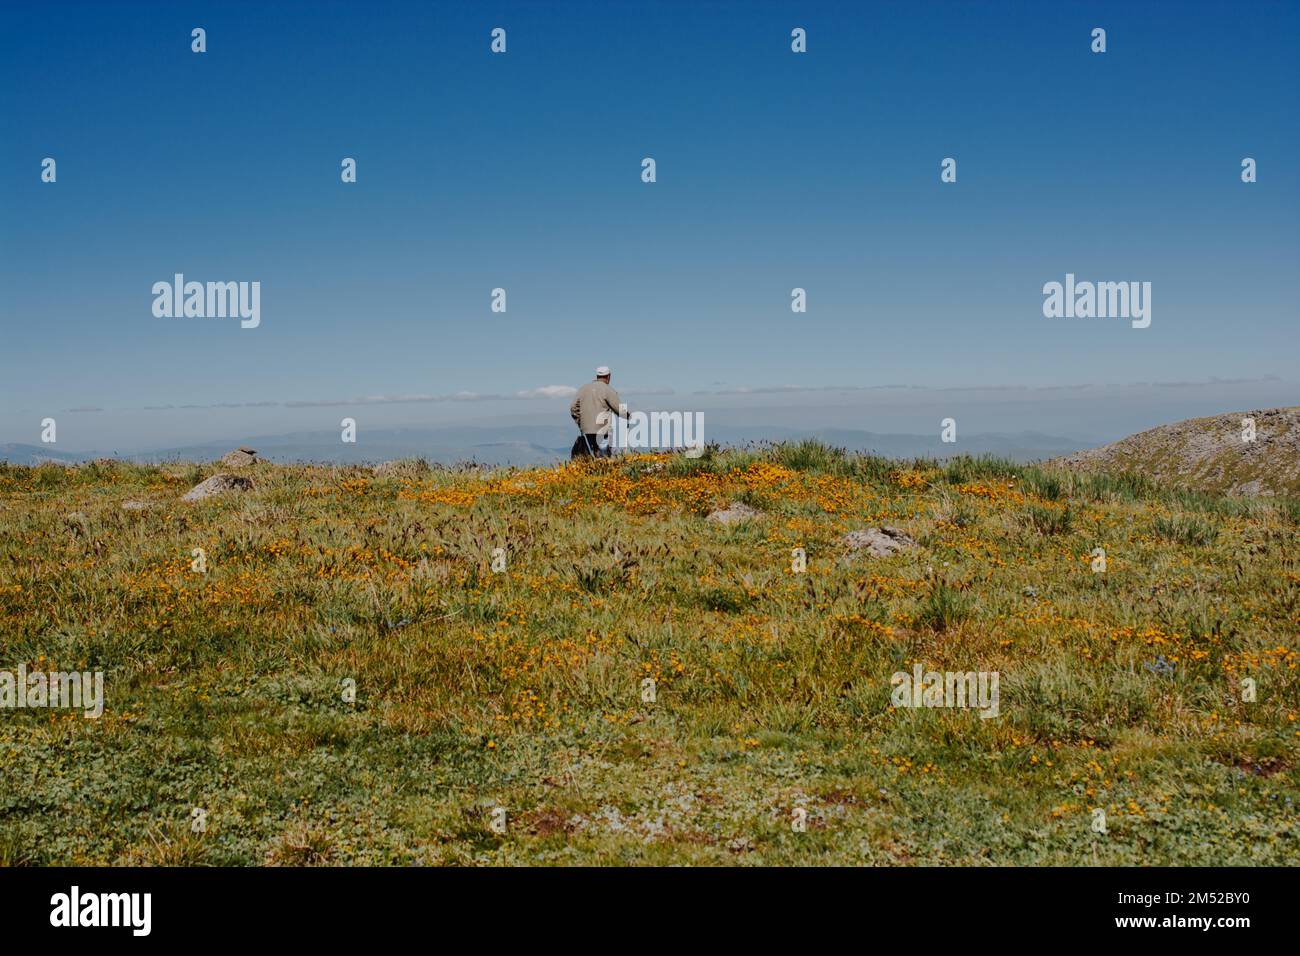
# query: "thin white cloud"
[391,400]
[784,389]
[541,393]
[558,392]
[548,391]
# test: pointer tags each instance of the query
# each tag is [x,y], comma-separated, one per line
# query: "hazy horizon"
[1082,416]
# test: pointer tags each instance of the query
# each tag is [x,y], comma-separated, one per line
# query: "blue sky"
[522,171]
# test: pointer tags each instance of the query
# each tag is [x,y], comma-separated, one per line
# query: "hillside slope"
[1209,454]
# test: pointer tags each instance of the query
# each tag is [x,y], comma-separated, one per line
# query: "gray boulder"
[216,485]
[735,512]
[241,457]
[879,542]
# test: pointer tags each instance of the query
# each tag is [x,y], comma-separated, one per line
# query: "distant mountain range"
[19,454]
[527,445]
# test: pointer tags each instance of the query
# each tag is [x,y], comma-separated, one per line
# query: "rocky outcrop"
[217,485]
[241,457]
[879,542]
[736,512]
[1242,453]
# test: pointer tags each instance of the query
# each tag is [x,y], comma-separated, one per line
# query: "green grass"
[527,689]
[965,468]
[943,607]
[1047,520]
[1185,530]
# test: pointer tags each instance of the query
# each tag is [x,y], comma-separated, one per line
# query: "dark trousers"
[586,447]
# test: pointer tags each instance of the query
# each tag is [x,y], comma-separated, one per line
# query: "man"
[594,400]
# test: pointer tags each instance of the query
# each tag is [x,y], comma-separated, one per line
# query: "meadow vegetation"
[523,688]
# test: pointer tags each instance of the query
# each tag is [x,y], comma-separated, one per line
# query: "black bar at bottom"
[336,906]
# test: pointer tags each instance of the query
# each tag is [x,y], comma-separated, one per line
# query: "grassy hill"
[524,689]
[1215,454]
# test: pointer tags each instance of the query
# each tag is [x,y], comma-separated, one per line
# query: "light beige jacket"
[592,399]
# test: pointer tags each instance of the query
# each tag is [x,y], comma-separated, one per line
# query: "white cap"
[602,371]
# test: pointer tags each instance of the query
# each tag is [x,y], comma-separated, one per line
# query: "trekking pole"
[590,453]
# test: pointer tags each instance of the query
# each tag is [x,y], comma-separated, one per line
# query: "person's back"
[593,409]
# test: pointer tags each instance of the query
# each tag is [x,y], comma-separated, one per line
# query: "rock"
[1251,489]
[879,542]
[134,506]
[736,511]
[241,457]
[217,484]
